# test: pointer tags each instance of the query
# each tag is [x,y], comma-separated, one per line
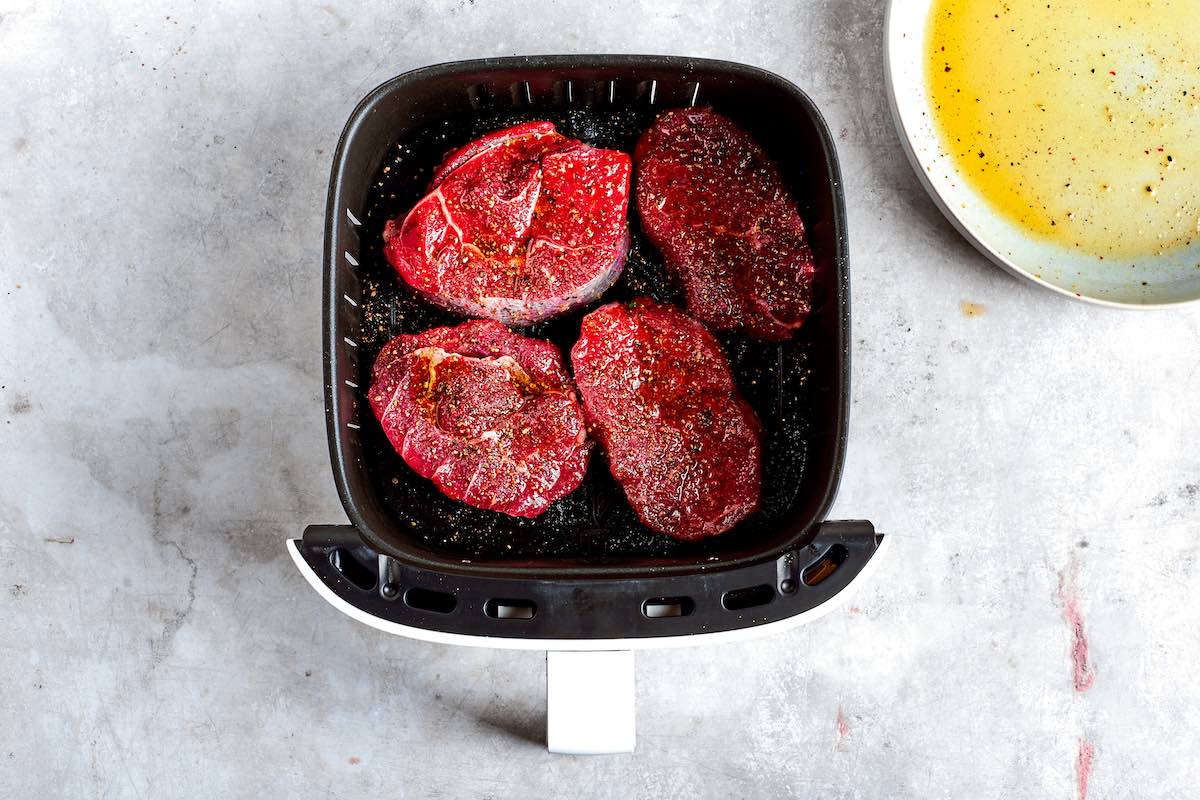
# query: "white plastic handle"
[590,702]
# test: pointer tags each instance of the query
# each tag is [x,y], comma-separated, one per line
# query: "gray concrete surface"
[162,183]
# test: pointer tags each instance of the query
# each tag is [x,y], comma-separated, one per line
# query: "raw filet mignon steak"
[489,416]
[519,226]
[658,394]
[716,207]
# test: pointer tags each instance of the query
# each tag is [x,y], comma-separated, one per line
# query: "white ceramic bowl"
[1168,279]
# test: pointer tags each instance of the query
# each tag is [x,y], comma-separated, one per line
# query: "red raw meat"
[521,225]
[489,416]
[717,208]
[658,394]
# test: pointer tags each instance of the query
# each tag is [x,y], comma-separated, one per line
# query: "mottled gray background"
[162,184]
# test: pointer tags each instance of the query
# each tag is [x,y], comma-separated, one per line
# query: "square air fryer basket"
[589,542]
[799,389]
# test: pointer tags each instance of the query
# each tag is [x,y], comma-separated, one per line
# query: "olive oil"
[1078,121]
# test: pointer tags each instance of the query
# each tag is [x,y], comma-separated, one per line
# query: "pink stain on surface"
[842,730]
[1084,674]
[1083,766]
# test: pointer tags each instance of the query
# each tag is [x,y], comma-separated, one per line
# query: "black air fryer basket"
[585,571]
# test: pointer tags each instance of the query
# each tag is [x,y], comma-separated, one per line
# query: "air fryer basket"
[587,568]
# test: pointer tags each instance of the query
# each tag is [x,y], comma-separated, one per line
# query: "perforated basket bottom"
[595,520]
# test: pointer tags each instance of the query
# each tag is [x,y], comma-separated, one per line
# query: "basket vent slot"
[587,93]
[825,566]
[665,607]
[749,597]
[564,93]
[351,569]
[510,609]
[647,91]
[430,600]
[606,91]
[522,94]
[479,97]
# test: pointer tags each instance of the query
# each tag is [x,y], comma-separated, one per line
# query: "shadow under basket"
[586,575]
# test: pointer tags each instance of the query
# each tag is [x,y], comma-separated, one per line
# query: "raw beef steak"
[519,226]
[716,207]
[489,416]
[658,394]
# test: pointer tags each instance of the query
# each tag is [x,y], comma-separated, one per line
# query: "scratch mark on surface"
[843,730]
[1083,766]
[162,645]
[119,746]
[217,332]
[1083,673]
[59,540]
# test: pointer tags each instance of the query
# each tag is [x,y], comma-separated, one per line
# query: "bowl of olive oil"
[1062,139]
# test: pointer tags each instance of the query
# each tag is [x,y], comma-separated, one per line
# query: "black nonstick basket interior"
[394,139]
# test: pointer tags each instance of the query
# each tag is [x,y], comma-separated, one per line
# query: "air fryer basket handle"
[590,702]
[509,608]
[589,678]
[331,536]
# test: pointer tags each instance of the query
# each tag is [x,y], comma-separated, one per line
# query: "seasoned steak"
[489,416]
[717,208]
[658,394]
[519,226]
